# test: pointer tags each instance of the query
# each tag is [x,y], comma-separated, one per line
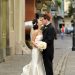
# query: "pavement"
[14,64]
[70,64]
[63,63]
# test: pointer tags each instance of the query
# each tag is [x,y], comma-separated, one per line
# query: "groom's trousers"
[48,65]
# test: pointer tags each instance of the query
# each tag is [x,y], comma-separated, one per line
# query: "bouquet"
[41,45]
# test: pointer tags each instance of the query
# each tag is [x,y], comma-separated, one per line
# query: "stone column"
[11,27]
[17,25]
[5,39]
[3,24]
[7,29]
[19,17]
[21,22]
[1,52]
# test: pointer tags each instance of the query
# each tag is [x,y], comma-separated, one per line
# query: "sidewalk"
[70,64]
[14,64]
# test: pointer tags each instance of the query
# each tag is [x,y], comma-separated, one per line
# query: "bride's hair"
[35,27]
[35,21]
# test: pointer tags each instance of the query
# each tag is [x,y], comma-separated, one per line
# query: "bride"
[36,66]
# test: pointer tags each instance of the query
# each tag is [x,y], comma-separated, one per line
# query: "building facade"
[12,17]
[58,14]
[30,9]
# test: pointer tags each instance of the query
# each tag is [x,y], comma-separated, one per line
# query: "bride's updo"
[35,26]
[35,21]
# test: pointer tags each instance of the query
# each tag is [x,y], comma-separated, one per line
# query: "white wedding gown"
[36,66]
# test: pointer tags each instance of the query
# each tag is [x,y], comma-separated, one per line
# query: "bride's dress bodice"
[38,38]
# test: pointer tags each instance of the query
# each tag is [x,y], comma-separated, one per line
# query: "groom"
[48,37]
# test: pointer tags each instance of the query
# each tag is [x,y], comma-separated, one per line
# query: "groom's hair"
[45,16]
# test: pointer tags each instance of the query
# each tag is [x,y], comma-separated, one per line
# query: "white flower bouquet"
[42,45]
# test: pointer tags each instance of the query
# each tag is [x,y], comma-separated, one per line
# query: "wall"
[29,9]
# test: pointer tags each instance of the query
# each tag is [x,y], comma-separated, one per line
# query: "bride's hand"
[36,45]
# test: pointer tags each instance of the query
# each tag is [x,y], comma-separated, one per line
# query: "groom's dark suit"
[48,53]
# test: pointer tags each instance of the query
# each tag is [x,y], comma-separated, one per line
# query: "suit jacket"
[48,37]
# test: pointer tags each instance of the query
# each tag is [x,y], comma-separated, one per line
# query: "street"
[65,43]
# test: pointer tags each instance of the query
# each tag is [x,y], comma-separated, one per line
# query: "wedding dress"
[36,66]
